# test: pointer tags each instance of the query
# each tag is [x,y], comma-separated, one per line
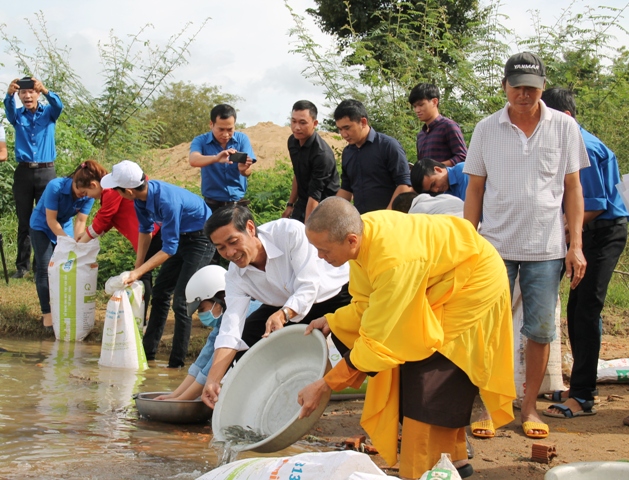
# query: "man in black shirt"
[315,176]
[374,165]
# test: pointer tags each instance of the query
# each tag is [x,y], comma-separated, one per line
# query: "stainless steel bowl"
[168,411]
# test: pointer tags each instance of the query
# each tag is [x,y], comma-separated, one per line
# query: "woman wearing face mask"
[52,217]
[205,293]
[119,213]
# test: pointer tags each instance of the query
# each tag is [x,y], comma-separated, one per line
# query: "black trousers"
[147,279]
[28,186]
[602,248]
[194,252]
[255,325]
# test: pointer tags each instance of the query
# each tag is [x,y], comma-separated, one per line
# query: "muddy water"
[64,416]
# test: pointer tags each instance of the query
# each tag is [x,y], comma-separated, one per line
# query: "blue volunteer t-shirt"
[458,181]
[175,209]
[599,180]
[58,197]
[221,181]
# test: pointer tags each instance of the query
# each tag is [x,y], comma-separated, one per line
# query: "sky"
[244,48]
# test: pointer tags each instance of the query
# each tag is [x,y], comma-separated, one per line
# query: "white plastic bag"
[305,466]
[72,275]
[122,343]
[443,470]
[553,379]
[135,292]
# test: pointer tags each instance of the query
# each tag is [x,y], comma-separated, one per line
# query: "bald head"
[337,217]
[335,229]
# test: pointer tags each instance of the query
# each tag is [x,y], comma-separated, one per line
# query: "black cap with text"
[525,70]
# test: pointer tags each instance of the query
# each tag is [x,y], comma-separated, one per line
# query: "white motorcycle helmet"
[203,285]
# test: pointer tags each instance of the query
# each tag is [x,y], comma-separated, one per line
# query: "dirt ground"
[508,455]
[267,139]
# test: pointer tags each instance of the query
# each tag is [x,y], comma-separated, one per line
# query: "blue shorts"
[539,283]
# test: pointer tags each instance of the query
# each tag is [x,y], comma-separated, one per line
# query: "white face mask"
[208,319]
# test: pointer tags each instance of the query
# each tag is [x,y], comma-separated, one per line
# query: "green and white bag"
[72,274]
[122,342]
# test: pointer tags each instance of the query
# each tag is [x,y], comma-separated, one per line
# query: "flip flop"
[566,412]
[478,427]
[530,426]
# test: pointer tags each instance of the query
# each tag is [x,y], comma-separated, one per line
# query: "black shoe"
[20,272]
[175,366]
[465,471]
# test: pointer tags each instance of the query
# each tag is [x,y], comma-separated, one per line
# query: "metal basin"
[179,411]
[260,393]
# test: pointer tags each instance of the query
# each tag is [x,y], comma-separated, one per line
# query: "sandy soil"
[267,139]
[508,455]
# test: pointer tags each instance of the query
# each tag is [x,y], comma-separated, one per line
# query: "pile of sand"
[267,139]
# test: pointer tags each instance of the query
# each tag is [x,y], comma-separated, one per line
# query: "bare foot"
[47,319]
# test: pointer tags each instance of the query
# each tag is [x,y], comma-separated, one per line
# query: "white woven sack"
[72,275]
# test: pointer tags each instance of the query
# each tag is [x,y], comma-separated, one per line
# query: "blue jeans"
[43,248]
[201,366]
[193,253]
[539,284]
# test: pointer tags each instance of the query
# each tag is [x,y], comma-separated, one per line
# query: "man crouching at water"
[276,265]
[430,319]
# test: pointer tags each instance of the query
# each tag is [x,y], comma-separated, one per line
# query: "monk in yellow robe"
[430,322]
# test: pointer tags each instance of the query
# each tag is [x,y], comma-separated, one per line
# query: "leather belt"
[595,224]
[198,233]
[38,164]
[214,204]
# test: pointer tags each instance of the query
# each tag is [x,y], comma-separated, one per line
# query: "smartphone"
[238,157]
[26,84]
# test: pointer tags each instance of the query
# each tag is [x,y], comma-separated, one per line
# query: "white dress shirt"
[294,277]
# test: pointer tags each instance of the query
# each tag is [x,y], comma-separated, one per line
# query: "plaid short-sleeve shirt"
[522,214]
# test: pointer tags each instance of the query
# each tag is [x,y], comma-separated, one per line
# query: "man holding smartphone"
[35,153]
[224,170]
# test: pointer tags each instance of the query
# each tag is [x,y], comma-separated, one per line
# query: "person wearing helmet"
[205,294]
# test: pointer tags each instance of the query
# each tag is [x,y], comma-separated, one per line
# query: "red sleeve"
[109,205]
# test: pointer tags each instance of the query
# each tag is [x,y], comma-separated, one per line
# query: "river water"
[64,416]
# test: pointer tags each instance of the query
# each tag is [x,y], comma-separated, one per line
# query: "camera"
[238,157]
[26,84]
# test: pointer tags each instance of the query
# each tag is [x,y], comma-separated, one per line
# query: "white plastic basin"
[589,471]
[260,393]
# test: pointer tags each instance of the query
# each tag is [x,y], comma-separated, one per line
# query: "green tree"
[134,69]
[407,47]
[183,110]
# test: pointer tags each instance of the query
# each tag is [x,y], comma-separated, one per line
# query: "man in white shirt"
[275,264]
[523,163]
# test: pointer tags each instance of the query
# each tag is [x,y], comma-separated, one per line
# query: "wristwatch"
[290,204]
[286,313]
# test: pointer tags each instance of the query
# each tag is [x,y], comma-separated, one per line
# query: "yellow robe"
[420,284]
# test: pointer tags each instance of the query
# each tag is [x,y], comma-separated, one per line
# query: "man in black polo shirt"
[315,176]
[374,166]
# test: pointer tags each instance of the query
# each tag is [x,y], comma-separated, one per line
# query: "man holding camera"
[224,171]
[35,154]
